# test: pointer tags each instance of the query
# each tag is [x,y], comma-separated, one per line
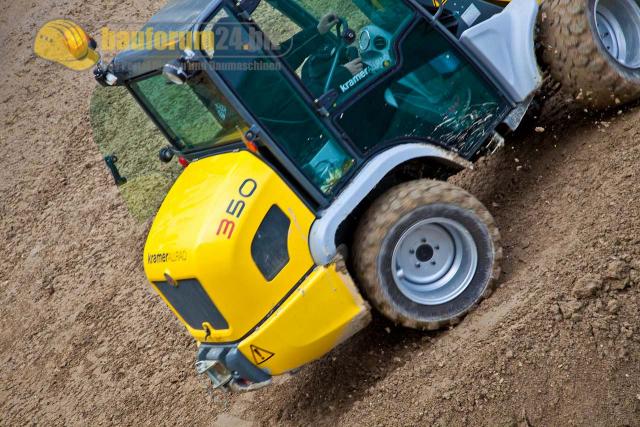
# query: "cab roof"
[176,16]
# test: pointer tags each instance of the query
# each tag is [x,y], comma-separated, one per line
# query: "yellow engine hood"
[200,246]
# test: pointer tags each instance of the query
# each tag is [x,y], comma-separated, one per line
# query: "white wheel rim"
[434,261]
[618,28]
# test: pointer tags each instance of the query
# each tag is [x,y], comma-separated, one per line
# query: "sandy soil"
[83,339]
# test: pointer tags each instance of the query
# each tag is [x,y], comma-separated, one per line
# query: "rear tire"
[426,253]
[596,60]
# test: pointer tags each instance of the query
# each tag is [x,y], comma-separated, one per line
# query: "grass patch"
[120,127]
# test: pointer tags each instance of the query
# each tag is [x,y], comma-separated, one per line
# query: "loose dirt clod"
[587,286]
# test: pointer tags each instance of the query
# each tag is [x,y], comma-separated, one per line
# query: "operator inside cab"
[311,48]
[311,45]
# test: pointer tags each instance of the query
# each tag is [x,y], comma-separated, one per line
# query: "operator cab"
[318,89]
[382,75]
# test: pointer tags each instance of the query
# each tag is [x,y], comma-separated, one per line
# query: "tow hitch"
[219,375]
[230,380]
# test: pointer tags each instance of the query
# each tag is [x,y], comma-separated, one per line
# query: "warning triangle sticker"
[260,355]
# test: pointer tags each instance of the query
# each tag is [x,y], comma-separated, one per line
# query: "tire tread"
[384,214]
[575,59]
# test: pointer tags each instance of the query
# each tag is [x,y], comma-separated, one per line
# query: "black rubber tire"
[386,221]
[576,58]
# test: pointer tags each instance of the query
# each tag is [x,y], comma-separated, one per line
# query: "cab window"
[312,47]
[260,83]
[437,95]
[194,115]
[281,27]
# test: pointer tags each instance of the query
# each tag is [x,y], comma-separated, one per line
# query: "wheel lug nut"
[424,240]
[412,251]
[433,263]
[418,265]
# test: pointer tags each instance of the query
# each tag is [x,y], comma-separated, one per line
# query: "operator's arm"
[345,72]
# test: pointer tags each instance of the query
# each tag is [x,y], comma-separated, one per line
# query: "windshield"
[305,33]
[194,115]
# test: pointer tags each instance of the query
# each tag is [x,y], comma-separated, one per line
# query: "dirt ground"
[83,339]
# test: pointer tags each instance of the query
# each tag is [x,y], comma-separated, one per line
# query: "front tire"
[426,253]
[592,47]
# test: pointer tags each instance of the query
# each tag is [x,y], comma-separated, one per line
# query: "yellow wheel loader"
[316,138]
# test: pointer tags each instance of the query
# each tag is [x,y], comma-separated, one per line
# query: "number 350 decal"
[236,207]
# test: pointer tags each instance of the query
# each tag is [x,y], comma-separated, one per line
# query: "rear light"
[248,138]
[251,146]
[183,162]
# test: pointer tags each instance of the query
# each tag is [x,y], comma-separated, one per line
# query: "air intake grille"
[193,304]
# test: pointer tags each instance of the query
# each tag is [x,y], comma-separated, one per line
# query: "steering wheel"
[345,37]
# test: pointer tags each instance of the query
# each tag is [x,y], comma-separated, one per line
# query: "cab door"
[266,90]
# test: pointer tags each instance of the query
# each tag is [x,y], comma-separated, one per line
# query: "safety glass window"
[195,114]
[437,95]
[263,88]
[317,44]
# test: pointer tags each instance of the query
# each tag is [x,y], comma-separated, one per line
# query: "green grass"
[280,28]
[345,9]
[120,127]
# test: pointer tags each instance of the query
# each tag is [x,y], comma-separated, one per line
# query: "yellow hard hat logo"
[66,43]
